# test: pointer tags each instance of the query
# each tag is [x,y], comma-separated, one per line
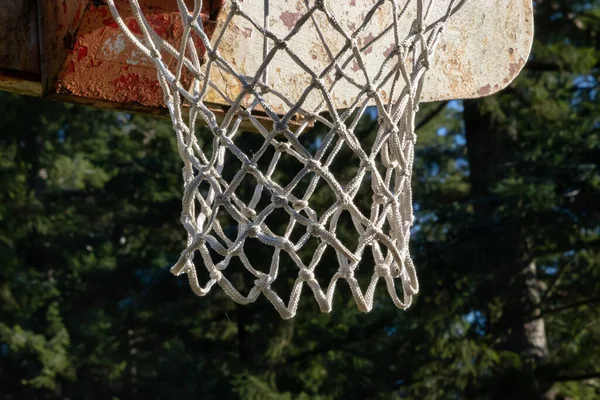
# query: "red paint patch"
[134,27]
[110,22]
[514,68]
[290,19]
[80,51]
[388,51]
[70,68]
[368,40]
[160,23]
[485,90]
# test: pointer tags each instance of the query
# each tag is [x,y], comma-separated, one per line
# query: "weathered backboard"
[73,49]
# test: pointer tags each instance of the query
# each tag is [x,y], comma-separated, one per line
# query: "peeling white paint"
[115,45]
[482,50]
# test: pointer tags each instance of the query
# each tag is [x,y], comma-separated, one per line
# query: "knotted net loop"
[393,86]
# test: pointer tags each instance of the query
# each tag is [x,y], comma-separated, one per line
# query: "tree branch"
[540,66]
[570,306]
[556,281]
[577,246]
[579,377]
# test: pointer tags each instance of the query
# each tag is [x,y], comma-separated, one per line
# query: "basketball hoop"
[372,53]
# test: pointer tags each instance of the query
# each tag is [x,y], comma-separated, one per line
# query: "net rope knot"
[282,147]
[346,272]
[254,231]
[263,282]
[216,275]
[313,165]
[299,205]
[279,200]
[306,274]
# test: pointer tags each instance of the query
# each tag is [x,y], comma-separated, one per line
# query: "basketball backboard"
[73,49]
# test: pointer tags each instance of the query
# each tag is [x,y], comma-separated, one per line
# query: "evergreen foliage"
[506,242]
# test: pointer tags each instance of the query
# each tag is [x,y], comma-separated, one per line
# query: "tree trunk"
[504,252]
[130,387]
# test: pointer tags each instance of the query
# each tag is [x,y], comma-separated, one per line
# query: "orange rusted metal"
[87,58]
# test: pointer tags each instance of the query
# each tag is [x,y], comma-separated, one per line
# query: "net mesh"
[393,86]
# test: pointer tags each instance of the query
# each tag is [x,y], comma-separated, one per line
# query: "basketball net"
[385,166]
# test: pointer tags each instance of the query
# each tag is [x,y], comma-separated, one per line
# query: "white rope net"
[394,87]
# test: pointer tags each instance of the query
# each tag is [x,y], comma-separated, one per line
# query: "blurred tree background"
[506,242]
